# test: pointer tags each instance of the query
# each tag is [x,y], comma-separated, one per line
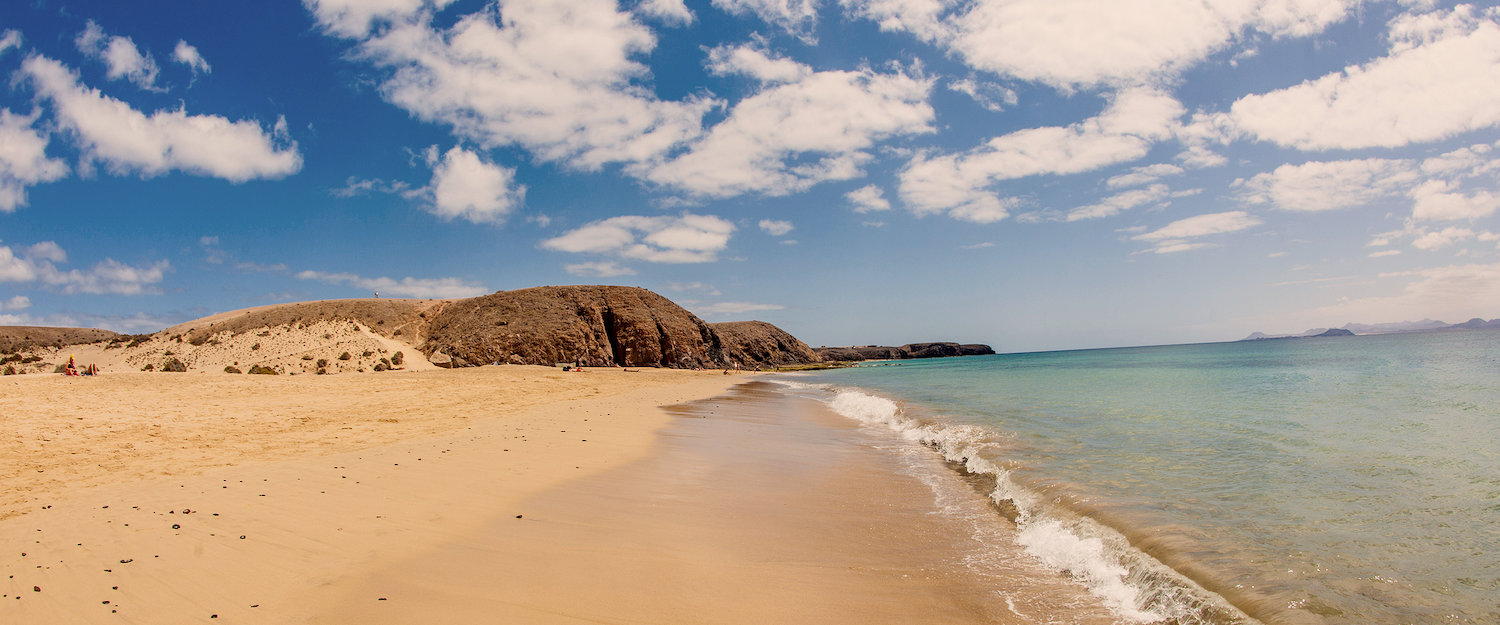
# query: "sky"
[1031,174]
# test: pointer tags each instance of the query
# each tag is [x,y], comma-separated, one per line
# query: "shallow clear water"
[1332,480]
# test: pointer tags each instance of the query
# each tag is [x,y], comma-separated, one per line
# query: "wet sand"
[753,507]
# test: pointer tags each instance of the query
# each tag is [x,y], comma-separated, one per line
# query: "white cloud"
[604,269]
[1120,202]
[355,187]
[1438,81]
[9,39]
[189,56]
[793,136]
[356,18]
[1176,236]
[128,141]
[38,263]
[1143,175]
[19,302]
[1438,200]
[23,159]
[436,288]
[688,238]
[798,17]
[1321,186]
[121,58]
[776,228]
[703,287]
[1453,293]
[1092,42]
[1439,239]
[733,308]
[989,95]
[755,62]
[868,198]
[1384,253]
[557,78]
[469,187]
[959,184]
[671,12]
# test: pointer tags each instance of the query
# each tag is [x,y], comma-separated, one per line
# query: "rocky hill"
[18,338]
[760,343]
[595,326]
[910,350]
[591,325]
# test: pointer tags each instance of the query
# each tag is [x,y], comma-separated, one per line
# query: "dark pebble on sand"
[242,536]
[36,588]
[518,516]
[176,526]
[127,561]
[381,599]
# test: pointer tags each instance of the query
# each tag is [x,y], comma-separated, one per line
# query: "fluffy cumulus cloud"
[557,78]
[121,58]
[798,17]
[1179,235]
[466,186]
[1321,186]
[671,12]
[188,55]
[1439,80]
[776,227]
[39,264]
[439,288]
[868,198]
[687,238]
[1092,42]
[960,184]
[23,159]
[792,136]
[128,141]
[19,302]
[754,61]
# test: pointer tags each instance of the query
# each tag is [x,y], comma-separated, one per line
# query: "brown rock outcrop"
[591,325]
[910,350]
[754,343]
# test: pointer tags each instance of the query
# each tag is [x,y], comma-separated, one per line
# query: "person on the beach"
[71,369]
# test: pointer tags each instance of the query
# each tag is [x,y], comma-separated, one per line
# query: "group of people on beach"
[72,369]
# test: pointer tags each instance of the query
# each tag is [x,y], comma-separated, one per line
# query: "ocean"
[1320,481]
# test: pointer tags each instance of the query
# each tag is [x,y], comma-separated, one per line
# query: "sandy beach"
[195,498]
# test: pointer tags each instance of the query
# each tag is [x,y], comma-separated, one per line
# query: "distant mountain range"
[1402,327]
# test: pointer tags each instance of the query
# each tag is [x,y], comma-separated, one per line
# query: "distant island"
[1403,327]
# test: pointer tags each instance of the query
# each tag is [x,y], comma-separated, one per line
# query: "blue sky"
[1034,174]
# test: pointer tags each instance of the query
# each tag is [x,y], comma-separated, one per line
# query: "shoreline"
[185,498]
[754,506]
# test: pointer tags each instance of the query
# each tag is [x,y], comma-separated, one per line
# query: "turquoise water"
[1325,481]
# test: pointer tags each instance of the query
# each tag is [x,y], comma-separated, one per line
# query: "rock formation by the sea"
[758,342]
[591,325]
[910,350]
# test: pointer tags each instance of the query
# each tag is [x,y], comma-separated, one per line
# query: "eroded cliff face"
[757,343]
[910,350]
[591,325]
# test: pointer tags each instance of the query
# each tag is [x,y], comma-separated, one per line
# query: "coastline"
[180,498]
[755,506]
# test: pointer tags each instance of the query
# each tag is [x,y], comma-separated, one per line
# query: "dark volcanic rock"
[752,343]
[591,325]
[910,350]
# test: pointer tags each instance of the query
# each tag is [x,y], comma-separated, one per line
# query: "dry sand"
[172,498]
[491,495]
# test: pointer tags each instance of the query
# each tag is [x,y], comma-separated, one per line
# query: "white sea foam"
[1132,584]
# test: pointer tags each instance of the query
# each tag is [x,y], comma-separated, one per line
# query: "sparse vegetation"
[368,353]
[255,347]
[307,356]
[397,359]
[174,365]
[345,356]
[231,369]
[322,362]
[9,370]
[381,366]
[148,367]
[262,370]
